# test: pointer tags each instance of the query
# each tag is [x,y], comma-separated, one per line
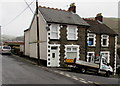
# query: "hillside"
[112,23]
[7,37]
[12,38]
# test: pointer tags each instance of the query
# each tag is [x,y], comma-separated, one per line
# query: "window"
[91,57]
[106,54]
[91,39]
[72,52]
[6,47]
[104,40]
[72,33]
[53,55]
[54,31]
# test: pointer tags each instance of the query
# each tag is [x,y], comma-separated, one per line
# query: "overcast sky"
[14,24]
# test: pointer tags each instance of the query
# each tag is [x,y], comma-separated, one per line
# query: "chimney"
[99,17]
[72,8]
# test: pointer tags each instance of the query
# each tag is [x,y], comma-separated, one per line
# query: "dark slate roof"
[61,16]
[99,28]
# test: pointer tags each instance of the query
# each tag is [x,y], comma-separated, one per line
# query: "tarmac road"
[16,70]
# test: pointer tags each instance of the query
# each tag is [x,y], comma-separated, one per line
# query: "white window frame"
[58,31]
[107,38]
[72,46]
[108,59]
[94,39]
[88,55]
[68,34]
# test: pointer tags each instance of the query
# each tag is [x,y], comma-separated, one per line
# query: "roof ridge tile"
[89,19]
[53,8]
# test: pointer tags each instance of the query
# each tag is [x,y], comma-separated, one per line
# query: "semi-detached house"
[62,34]
[65,34]
[101,40]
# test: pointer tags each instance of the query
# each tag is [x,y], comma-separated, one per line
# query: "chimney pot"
[99,17]
[72,8]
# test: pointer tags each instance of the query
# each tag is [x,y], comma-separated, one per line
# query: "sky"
[14,20]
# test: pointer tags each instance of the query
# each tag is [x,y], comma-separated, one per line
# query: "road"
[19,71]
[16,70]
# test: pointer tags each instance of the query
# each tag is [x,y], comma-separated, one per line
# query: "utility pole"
[38,39]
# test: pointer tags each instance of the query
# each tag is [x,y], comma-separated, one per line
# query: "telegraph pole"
[38,39]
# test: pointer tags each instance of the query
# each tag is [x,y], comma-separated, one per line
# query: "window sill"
[54,39]
[71,39]
[92,46]
[105,46]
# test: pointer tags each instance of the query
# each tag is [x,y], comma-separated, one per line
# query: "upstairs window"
[54,29]
[91,39]
[72,33]
[104,40]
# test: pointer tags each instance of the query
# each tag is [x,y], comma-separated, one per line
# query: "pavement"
[59,75]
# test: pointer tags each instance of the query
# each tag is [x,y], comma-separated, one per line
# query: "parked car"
[5,50]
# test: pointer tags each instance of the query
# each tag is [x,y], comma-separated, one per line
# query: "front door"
[90,57]
[54,57]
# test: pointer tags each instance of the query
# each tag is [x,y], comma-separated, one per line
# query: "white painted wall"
[27,39]
[43,37]
[33,39]
[21,48]
[33,50]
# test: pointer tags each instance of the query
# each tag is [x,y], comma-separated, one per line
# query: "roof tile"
[52,15]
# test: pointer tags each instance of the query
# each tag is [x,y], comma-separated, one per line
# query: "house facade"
[101,40]
[62,34]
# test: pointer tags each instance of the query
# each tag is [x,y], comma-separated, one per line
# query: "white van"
[5,50]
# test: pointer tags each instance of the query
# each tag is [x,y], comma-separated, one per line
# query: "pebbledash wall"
[62,42]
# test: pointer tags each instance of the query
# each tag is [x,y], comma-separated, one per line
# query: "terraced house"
[62,34]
